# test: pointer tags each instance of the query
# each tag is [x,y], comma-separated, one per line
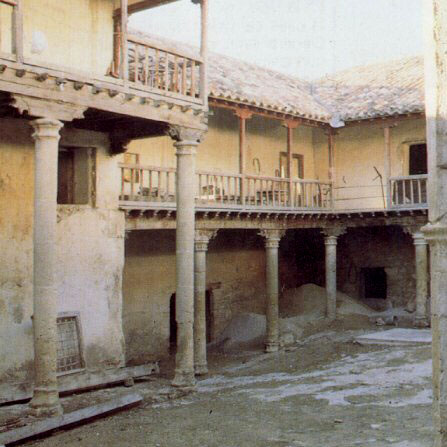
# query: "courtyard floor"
[328,390]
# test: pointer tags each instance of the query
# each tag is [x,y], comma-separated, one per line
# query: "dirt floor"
[327,390]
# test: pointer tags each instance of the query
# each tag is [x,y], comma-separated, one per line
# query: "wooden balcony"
[157,68]
[148,187]
[408,192]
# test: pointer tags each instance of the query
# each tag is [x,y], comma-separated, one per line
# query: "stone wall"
[235,279]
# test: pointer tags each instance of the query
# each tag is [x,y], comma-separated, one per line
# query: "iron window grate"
[69,348]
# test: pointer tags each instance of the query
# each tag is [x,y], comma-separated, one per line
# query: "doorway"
[172,326]
[374,283]
[418,159]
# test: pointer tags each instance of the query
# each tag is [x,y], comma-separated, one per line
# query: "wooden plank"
[47,425]
[80,382]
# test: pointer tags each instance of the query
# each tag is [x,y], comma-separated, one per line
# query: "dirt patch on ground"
[326,390]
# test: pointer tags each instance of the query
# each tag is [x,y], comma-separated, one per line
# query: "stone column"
[436,231]
[186,142]
[202,238]
[330,242]
[421,269]
[45,401]
[272,239]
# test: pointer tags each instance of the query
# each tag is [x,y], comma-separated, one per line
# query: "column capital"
[332,233]
[46,128]
[417,233]
[185,137]
[243,113]
[202,239]
[435,232]
[47,109]
[272,237]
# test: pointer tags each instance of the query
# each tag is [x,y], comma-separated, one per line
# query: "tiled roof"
[239,81]
[370,91]
[383,89]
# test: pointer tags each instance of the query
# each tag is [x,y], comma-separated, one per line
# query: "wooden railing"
[160,68]
[155,187]
[408,192]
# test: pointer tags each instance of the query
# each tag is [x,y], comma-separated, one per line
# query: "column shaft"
[272,284]
[331,276]
[184,372]
[200,360]
[46,397]
[421,258]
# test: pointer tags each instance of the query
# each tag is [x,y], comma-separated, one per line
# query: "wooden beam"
[143,5]
[331,155]
[271,114]
[124,59]
[47,425]
[204,52]
[385,120]
[17,30]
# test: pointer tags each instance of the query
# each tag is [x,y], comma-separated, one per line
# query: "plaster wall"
[79,34]
[235,278]
[360,149]
[90,253]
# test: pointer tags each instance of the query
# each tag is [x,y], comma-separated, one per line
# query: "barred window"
[69,356]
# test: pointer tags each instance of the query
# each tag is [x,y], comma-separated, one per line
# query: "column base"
[271,347]
[45,403]
[201,370]
[184,379]
[420,322]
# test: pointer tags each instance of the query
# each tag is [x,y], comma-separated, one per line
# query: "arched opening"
[172,326]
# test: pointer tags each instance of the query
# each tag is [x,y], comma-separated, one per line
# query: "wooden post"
[331,154]
[290,126]
[387,164]
[204,53]
[124,60]
[17,33]
[243,115]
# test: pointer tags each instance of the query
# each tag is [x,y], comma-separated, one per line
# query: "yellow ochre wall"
[360,149]
[219,152]
[79,33]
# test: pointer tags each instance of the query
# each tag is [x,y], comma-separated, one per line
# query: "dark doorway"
[374,282]
[418,159]
[209,317]
[172,326]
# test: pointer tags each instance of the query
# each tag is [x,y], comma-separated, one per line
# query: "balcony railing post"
[124,60]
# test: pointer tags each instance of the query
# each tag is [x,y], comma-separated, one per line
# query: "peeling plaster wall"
[90,251]
[235,277]
[358,150]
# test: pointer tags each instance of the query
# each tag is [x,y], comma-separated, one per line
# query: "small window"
[418,159]
[69,356]
[76,170]
[297,165]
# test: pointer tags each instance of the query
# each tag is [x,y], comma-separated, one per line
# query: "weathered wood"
[17,30]
[80,382]
[47,425]
[164,47]
[124,67]
[387,164]
[204,52]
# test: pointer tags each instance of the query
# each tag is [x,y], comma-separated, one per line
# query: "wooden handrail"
[163,47]
[410,177]
[9,2]
[145,167]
